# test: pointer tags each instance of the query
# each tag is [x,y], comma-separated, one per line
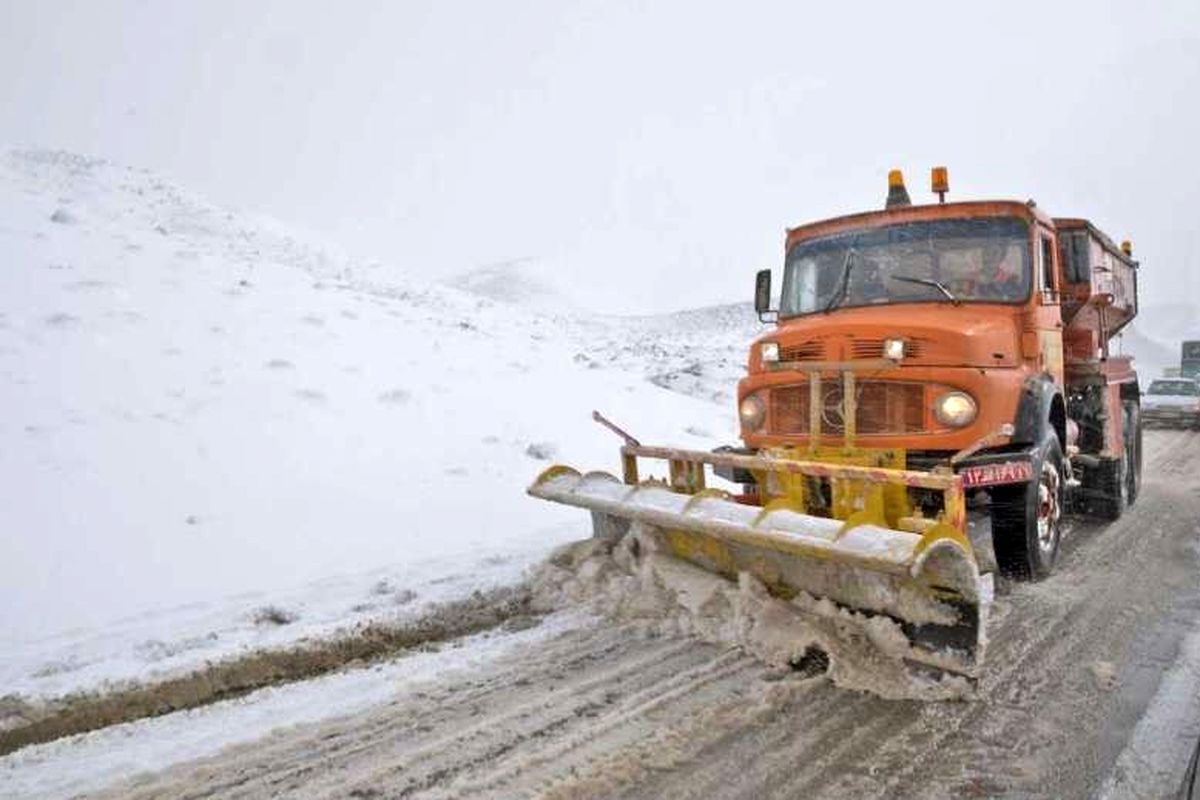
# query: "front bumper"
[978,471]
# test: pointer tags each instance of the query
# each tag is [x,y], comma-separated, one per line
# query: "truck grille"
[854,349]
[884,407]
[873,348]
[804,351]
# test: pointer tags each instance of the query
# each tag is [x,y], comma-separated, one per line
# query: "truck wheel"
[1133,450]
[1117,482]
[1027,518]
[1110,489]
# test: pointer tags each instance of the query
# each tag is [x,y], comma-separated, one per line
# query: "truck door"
[1044,323]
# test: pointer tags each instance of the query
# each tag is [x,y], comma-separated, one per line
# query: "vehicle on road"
[1172,403]
[921,357]
[1189,360]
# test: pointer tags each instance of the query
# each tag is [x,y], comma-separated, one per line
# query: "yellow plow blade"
[925,578]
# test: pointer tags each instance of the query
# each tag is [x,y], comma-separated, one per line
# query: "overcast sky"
[650,154]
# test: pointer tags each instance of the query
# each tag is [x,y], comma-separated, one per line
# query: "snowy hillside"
[1154,338]
[525,282]
[1172,321]
[207,419]
[1151,355]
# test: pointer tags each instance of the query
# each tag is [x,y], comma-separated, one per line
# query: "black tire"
[1133,450]
[1027,518]
[1109,490]
[1116,483]
[1190,790]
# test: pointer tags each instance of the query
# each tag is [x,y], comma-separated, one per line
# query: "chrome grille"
[884,407]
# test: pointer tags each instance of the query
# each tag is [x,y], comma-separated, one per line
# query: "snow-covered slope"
[526,282]
[1154,338]
[204,415]
[1171,322]
[1151,355]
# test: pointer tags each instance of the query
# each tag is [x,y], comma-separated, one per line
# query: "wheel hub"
[1049,510]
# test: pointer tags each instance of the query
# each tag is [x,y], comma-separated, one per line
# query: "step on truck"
[926,364]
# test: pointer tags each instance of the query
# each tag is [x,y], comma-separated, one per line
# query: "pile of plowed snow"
[631,580]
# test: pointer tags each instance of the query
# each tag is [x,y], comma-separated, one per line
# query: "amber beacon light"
[940,179]
[897,196]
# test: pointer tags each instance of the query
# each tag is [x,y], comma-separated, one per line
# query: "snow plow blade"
[880,558]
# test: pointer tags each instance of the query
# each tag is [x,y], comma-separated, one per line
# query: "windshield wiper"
[941,287]
[844,285]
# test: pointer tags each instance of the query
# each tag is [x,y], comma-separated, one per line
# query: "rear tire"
[1118,482]
[1110,490]
[1027,518]
[1133,449]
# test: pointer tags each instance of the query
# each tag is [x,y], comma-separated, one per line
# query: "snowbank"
[206,416]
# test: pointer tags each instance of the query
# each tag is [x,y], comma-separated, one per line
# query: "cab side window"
[1048,286]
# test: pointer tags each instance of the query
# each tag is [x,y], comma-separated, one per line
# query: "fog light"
[893,349]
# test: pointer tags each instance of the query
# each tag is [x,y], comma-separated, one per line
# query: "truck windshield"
[961,260]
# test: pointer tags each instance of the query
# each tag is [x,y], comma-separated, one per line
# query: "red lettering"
[997,474]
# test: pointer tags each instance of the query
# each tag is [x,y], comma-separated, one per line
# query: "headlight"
[955,409]
[893,349]
[769,352]
[752,412]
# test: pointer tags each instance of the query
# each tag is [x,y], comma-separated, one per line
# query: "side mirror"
[762,293]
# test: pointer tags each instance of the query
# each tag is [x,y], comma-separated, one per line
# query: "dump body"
[1099,288]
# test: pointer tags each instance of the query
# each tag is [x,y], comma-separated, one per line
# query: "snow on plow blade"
[882,559]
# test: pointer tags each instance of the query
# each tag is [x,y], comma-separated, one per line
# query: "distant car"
[1173,402]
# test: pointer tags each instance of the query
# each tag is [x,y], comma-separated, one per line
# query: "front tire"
[1027,518]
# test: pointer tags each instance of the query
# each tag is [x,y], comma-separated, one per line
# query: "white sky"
[651,154]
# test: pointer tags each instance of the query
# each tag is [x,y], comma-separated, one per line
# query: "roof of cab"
[877,219]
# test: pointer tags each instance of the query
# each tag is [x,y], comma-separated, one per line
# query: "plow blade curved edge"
[928,583]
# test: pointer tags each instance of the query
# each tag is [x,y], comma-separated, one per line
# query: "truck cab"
[965,337]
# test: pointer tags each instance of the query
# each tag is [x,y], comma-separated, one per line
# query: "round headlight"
[770,352]
[956,409]
[752,412]
[893,349]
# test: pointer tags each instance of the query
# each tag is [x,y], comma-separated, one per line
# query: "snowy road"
[1073,664]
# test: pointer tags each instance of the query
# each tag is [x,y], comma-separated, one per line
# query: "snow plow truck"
[929,366]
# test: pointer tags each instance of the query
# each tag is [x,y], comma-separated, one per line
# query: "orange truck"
[929,366]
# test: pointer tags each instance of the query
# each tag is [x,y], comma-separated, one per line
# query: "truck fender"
[1041,411]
